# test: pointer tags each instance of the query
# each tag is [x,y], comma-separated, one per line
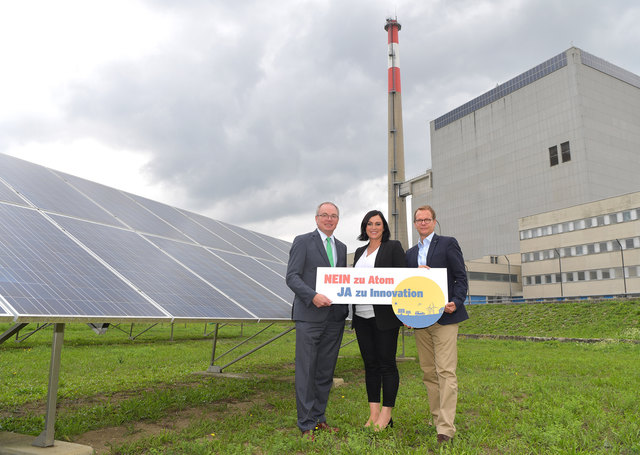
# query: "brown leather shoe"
[443,438]
[308,434]
[325,427]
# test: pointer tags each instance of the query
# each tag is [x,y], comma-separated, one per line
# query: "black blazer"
[444,252]
[390,254]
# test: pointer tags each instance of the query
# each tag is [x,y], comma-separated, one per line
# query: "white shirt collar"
[324,236]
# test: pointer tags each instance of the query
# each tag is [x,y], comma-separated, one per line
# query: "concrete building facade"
[590,249]
[566,132]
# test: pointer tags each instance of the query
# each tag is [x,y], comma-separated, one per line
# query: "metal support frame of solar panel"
[74,250]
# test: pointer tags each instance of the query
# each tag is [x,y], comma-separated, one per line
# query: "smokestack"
[397,206]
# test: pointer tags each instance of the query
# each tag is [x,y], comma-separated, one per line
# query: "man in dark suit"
[437,344]
[319,324]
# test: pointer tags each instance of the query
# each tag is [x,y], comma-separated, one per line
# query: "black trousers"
[378,349]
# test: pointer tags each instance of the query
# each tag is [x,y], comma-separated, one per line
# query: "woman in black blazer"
[377,326]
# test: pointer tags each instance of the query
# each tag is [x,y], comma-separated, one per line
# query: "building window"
[553,155]
[494,259]
[566,153]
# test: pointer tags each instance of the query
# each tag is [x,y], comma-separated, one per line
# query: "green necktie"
[329,251]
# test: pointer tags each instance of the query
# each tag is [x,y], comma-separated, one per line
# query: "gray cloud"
[260,110]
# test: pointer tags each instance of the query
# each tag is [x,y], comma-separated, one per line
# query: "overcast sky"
[253,112]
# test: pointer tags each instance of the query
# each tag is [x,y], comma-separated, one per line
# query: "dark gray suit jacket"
[306,255]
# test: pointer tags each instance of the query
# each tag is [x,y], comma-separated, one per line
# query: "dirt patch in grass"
[104,439]
[71,404]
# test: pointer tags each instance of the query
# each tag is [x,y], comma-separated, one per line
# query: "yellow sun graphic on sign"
[420,301]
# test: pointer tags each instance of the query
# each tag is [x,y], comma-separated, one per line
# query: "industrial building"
[589,249]
[536,148]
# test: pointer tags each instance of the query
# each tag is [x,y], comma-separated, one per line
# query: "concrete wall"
[491,167]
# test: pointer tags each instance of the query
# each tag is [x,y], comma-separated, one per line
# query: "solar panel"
[261,241]
[242,244]
[7,194]
[609,68]
[502,90]
[185,224]
[79,250]
[44,275]
[75,250]
[240,286]
[268,273]
[124,208]
[180,292]
[45,190]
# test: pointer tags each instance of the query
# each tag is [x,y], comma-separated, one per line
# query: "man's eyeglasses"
[326,215]
[423,221]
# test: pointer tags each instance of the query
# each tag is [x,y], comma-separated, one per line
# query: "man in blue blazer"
[319,324]
[437,344]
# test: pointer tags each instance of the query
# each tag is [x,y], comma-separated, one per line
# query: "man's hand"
[321,300]
[450,307]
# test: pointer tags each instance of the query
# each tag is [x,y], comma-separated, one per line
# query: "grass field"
[141,396]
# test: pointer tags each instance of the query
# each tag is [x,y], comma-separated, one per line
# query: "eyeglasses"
[326,215]
[423,221]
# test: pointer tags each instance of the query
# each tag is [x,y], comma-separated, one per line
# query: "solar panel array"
[75,250]
[502,90]
[609,68]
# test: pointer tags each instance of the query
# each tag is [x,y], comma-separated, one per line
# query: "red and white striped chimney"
[392,28]
[397,206]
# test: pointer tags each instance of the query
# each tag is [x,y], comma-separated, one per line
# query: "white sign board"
[417,295]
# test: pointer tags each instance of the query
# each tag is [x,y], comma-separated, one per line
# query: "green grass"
[515,397]
[583,319]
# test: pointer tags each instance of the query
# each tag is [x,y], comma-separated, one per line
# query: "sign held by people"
[417,295]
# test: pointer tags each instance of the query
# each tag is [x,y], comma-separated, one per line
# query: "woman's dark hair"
[386,233]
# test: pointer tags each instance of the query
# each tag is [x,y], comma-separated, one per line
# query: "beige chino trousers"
[438,352]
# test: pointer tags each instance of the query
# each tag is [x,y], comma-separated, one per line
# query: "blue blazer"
[390,254]
[306,255]
[444,252]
